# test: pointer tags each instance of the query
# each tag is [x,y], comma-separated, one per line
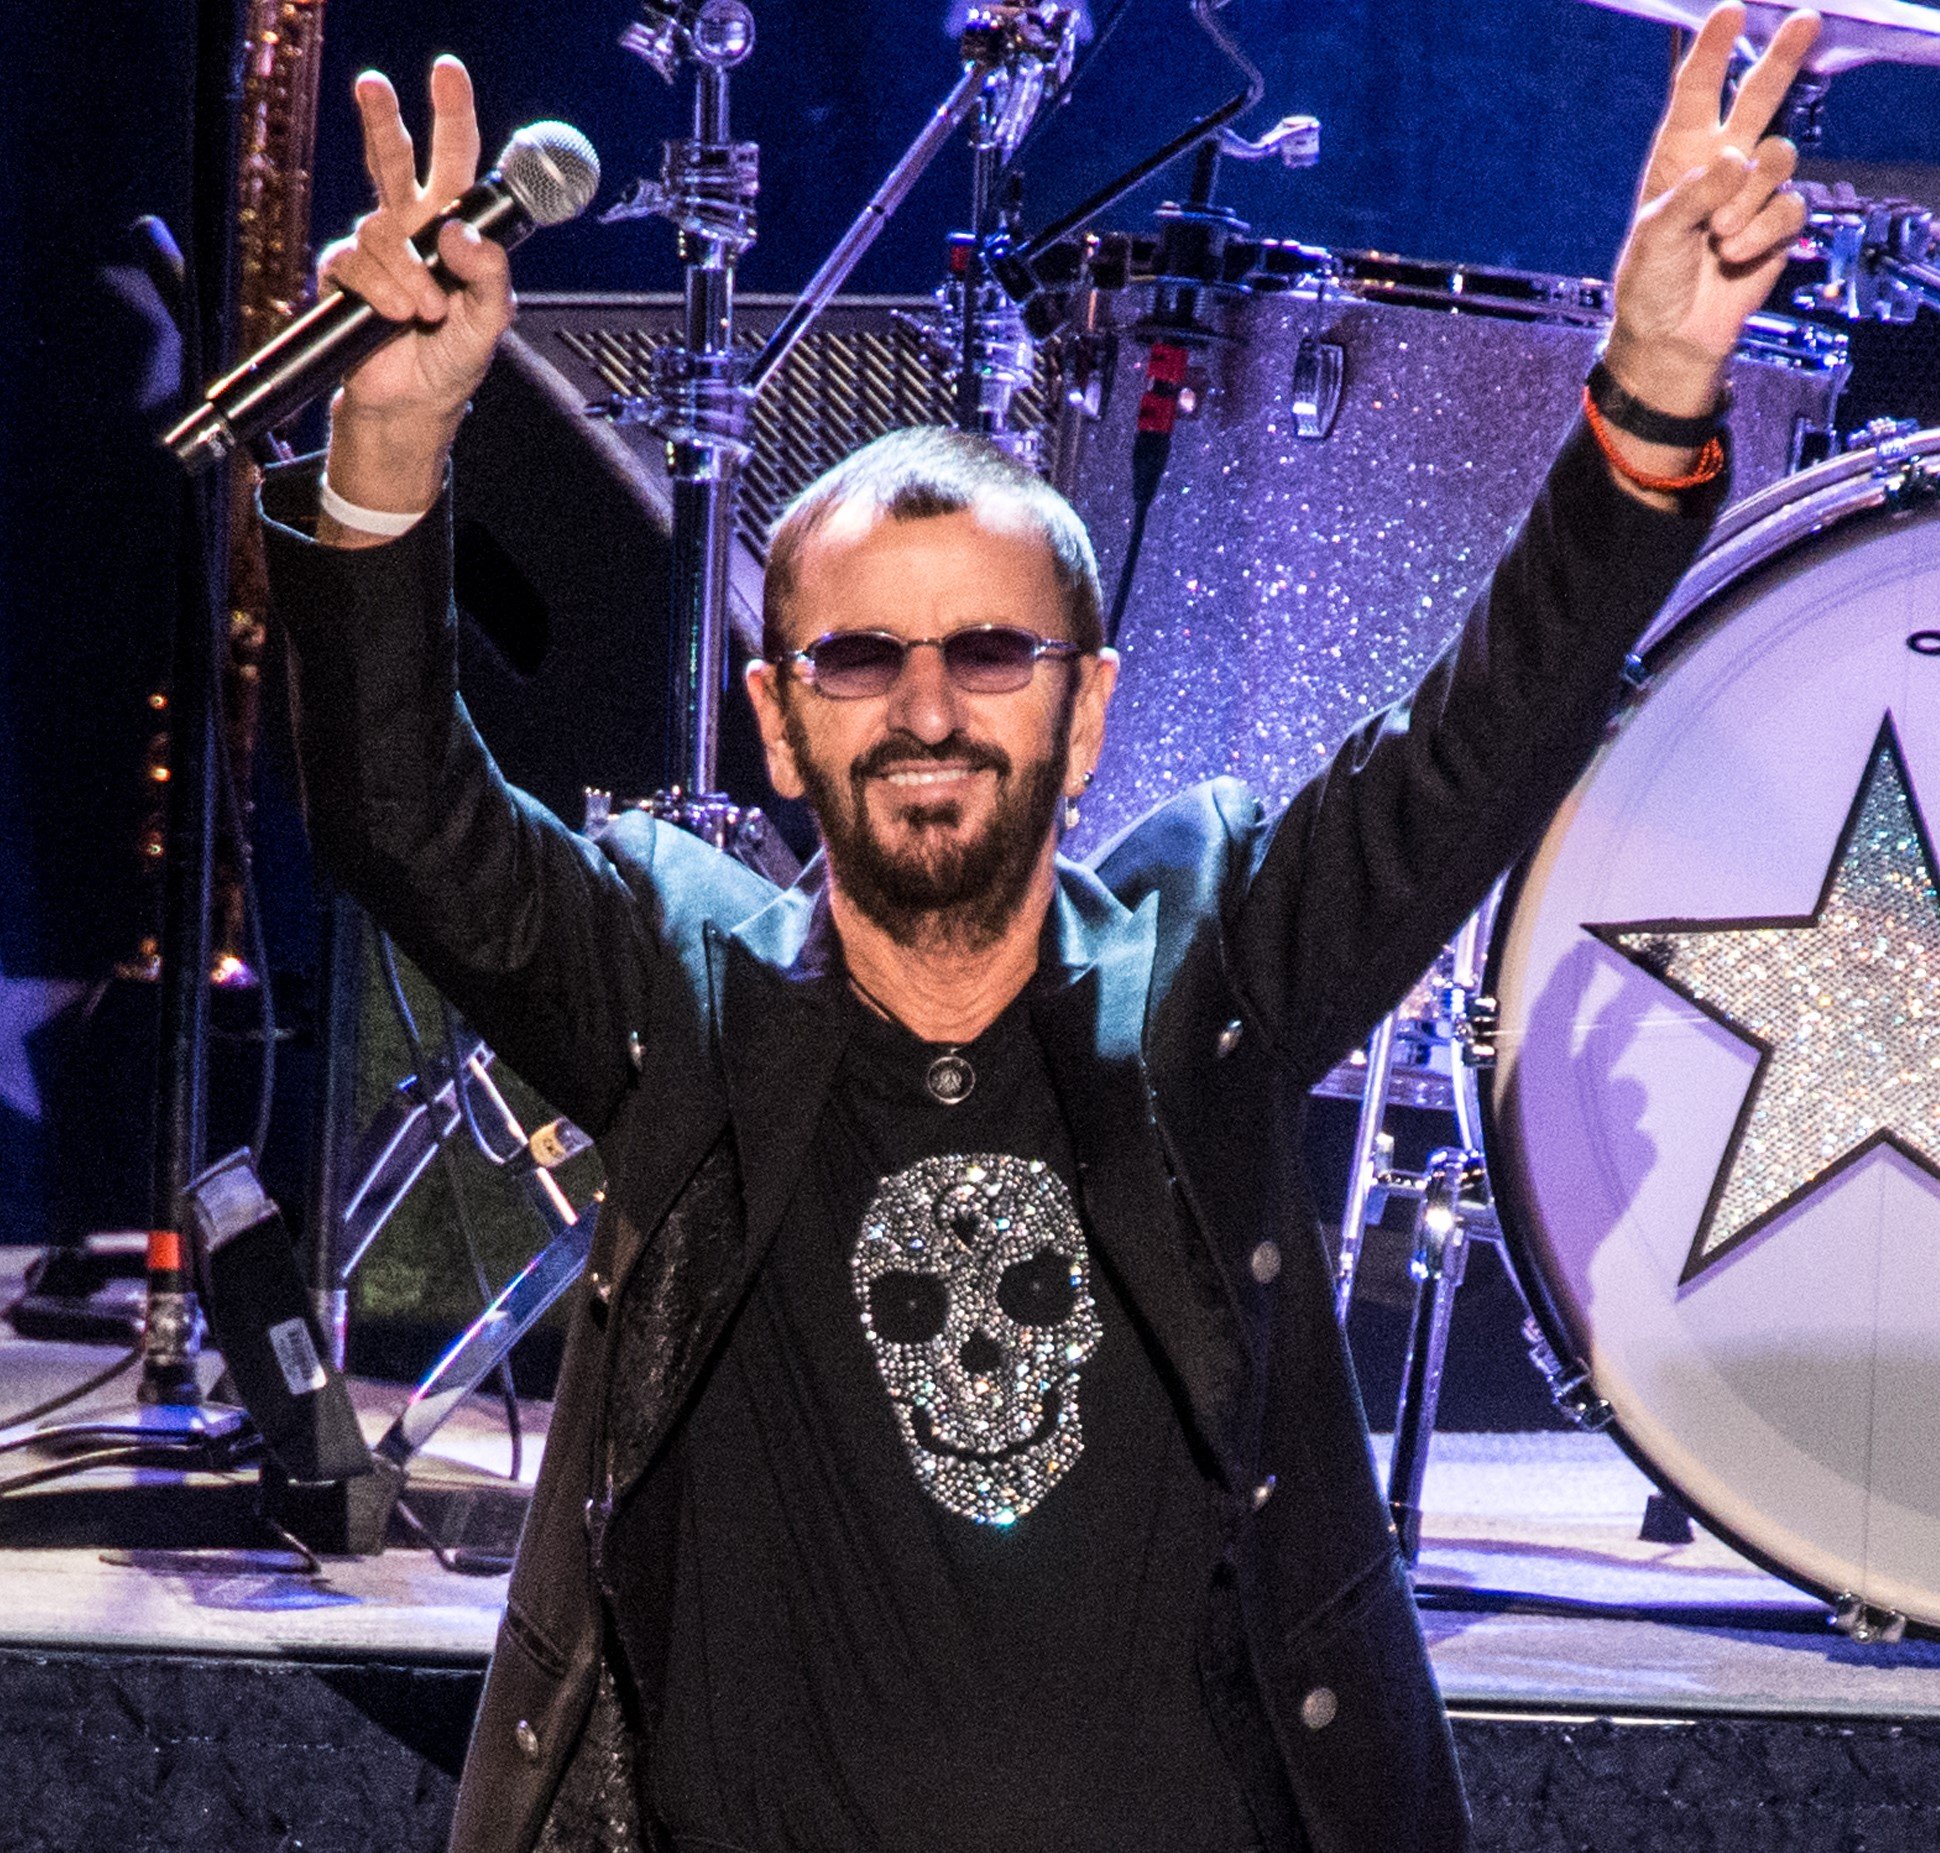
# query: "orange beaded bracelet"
[1709,465]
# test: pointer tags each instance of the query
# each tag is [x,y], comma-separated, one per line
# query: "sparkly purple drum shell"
[1288,587]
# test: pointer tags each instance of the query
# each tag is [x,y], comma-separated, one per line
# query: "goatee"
[942,893]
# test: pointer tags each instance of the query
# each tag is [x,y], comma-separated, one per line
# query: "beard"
[941,892]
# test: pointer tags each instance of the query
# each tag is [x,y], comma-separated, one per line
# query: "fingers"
[1768,234]
[454,133]
[1766,83]
[386,272]
[480,264]
[1772,166]
[387,144]
[1689,203]
[1697,91]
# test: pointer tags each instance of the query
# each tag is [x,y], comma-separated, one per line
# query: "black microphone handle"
[312,355]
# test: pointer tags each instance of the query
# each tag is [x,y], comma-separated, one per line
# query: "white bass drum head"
[1750,1276]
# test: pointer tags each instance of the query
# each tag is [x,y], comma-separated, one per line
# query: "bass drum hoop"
[1750,537]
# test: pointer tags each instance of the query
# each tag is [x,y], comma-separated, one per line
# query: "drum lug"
[1860,1621]
[1570,1390]
[1319,375]
[1476,1021]
[1906,481]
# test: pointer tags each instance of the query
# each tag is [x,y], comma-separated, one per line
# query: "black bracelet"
[1631,414]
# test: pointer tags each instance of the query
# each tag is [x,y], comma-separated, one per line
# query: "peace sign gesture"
[399,410]
[1714,219]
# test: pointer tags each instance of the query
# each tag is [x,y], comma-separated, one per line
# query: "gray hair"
[914,474]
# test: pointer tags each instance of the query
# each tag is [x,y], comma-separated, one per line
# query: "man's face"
[938,806]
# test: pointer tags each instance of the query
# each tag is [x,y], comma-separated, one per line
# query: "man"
[955,1448]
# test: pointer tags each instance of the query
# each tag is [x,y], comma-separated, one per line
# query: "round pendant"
[950,1079]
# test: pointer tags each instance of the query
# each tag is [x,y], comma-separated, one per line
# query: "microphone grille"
[551,170]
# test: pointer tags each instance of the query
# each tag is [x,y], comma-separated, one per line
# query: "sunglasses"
[986,659]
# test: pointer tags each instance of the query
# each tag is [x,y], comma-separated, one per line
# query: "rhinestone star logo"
[1843,1006]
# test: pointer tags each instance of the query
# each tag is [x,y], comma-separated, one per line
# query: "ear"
[763,682]
[1097,677]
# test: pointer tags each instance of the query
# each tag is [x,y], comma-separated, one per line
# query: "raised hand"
[1714,219]
[397,413]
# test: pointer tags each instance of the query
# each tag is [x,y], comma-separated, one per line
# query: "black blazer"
[1205,971]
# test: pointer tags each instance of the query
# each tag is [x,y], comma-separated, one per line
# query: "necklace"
[950,1078]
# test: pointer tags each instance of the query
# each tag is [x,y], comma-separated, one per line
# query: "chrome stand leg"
[1440,1261]
[1365,1173]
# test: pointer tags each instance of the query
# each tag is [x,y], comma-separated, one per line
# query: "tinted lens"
[853,663]
[990,661]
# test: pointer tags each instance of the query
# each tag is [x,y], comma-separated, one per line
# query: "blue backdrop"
[1504,134]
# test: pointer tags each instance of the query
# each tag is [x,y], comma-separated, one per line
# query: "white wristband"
[365,520]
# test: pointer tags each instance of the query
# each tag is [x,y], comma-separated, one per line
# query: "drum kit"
[1360,432]
[1686,1047]
[1705,999]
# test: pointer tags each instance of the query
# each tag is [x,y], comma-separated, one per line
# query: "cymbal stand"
[703,386]
[995,354]
[698,400]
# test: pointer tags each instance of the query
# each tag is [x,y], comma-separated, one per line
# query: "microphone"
[547,175]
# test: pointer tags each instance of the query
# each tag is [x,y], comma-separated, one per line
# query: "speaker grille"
[861,371]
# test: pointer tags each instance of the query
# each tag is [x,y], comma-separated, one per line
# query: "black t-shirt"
[943,1551]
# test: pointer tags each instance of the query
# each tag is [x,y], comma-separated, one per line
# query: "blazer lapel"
[775,982]
[1090,1017]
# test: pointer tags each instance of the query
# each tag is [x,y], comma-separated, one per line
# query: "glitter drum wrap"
[1288,587]
[1714,1117]
[975,1291]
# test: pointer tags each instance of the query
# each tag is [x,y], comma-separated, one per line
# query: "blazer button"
[1319,1708]
[527,1738]
[1265,1263]
[636,1051]
[601,1286]
[1264,1491]
[1229,1038]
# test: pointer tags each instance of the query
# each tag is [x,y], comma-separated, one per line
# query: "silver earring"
[1071,804]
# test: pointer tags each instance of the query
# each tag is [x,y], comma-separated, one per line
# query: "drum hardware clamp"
[1859,1621]
[1906,483]
[1570,1388]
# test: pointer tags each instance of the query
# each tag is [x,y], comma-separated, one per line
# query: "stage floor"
[1540,1521]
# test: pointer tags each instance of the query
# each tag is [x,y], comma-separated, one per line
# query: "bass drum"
[1743,1253]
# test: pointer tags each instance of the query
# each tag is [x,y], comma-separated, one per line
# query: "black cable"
[455,1062]
[1745,1617]
[145,1453]
[241,848]
[407,1024]
[1151,450]
[458,1559]
[312,1564]
[74,1395]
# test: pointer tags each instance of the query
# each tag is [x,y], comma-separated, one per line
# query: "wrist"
[1670,380]
[389,461]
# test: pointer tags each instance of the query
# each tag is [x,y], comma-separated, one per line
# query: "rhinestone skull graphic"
[975,1291]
